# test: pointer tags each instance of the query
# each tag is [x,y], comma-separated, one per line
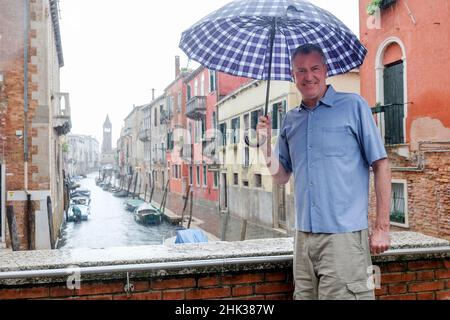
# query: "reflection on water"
[110,225]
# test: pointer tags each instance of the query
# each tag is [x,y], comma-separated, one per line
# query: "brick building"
[36,116]
[406,79]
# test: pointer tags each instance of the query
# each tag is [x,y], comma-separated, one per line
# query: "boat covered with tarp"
[190,236]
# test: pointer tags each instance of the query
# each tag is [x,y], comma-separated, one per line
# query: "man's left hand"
[379,241]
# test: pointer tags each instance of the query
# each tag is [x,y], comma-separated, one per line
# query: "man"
[329,144]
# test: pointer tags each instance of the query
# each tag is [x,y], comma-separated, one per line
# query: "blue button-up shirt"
[329,150]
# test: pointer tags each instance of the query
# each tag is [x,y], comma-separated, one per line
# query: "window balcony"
[391,122]
[61,116]
[144,135]
[165,117]
[196,108]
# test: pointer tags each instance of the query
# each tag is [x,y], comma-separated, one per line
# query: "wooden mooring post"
[12,227]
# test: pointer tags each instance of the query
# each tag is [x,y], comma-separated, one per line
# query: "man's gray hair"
[308,48]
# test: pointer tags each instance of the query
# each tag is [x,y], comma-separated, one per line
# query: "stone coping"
[59,259]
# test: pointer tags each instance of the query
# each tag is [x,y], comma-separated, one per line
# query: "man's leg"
[306,282]
[343,266]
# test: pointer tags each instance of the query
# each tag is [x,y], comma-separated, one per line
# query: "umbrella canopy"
[241,37]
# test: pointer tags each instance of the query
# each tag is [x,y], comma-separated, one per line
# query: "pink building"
[204,88]
[175,117]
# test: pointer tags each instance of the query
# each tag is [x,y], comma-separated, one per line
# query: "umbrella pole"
[266,109]
[272,41]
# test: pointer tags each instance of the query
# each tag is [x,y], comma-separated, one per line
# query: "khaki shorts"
[333,266]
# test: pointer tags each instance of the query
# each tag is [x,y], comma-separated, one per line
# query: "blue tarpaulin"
[190,236]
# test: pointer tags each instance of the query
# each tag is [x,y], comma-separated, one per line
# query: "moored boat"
[133,204]
[78,212]
[148,214]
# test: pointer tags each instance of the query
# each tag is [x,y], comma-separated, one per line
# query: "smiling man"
[329,144]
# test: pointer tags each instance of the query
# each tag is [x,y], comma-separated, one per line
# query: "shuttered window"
[394,104]
[235,127]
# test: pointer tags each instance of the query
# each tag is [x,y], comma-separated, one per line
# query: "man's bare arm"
[276,169]
[379,240]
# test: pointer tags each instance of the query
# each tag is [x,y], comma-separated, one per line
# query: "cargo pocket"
[361,291]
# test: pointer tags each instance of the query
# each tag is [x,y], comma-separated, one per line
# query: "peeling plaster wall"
[428,129]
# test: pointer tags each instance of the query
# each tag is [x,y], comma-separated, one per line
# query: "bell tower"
[107,136]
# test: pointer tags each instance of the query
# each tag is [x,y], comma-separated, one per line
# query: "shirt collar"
[329,97]
[327,100]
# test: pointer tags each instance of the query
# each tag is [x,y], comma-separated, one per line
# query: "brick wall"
[428,194]
[408,280]
[40,164]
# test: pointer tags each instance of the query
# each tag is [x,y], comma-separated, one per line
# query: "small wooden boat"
[81,193]
[121,194]
[148,214]
[80,200]
[78,213]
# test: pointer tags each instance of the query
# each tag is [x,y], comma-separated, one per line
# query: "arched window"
[391,90]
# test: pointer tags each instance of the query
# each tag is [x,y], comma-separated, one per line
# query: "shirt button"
[313,205]
[311,184]
[310,147]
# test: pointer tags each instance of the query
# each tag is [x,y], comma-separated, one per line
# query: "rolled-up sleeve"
[282,149]
[369,135]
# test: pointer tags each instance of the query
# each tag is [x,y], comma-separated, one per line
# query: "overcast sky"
[116,51]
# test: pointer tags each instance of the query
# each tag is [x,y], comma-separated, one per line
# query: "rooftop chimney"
[177,66]
[153,94]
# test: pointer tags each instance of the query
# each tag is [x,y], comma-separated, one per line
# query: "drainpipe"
[421,166]
[25,91]
[28,214]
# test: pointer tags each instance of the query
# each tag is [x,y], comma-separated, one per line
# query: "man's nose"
[309,76]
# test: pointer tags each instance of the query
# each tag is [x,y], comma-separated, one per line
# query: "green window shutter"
[394,102]
[275,109]
[254,120]
[223,131]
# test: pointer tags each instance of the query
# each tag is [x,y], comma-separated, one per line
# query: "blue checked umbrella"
[256,38]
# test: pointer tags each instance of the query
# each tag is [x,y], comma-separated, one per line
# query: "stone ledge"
[416,246]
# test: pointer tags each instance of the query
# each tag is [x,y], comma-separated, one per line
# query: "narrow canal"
[110,224]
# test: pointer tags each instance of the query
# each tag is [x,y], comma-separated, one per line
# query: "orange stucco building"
[406,77]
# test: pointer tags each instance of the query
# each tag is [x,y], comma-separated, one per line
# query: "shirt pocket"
[335,141]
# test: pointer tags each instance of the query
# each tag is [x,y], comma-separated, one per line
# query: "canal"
[110,224]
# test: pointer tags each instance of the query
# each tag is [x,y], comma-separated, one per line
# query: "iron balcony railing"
[209,148]
[392,118]
[144,135]
[196,108]
[165,117]
[62,115]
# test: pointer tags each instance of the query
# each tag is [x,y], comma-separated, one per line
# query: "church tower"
[107,136]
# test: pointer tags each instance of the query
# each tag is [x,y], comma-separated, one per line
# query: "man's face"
[310,74]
